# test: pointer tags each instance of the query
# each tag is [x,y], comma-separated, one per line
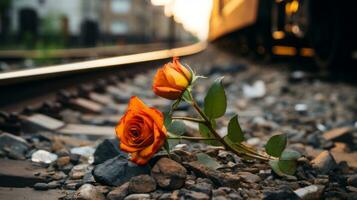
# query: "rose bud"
[141,131]
[171,80]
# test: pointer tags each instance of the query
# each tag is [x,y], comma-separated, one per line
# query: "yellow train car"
[322,29]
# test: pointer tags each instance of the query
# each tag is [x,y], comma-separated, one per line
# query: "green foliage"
[290,155]
[215,102]
[167,119]
[276,145]
[286,165]
[235,133]
[208,161]
[177,127]
[275,167]
[167,146]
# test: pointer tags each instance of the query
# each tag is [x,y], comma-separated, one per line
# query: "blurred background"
[43,32]
[42,26]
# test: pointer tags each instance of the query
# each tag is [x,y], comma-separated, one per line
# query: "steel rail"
[79,52]
[56,70]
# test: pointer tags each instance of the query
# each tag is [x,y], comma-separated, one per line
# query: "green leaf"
[290,155]
[167,120]
[177,127]
[275,167]
[205,132]
[215,102]
[276,145]
[208,161]
[167,146]
[287,166]
[235,133]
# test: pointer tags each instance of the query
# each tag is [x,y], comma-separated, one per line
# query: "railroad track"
[27,87]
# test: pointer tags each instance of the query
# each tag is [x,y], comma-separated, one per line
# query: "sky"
[193,14]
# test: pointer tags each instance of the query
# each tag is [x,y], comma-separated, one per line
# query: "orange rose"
[171,80]
[141,131]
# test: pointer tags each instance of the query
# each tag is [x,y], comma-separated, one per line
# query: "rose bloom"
[141,131]
[171,80]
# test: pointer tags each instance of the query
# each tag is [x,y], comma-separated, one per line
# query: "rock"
[219,178]
[283,193]
[142,184]
[202,187]
[352,180]
[310,192]
[249,177]
[43,156]
[257,90]
[169,174]
[72,184]
[108,149]
[75,158]
[338,133]
[165,196]
[53,184]
[86,152]
[88,192]
[117,171]
[58,175]
[324,162]
[119,193]
[62,161]
[138,197]
[41,186]
[79,171]
[15,147]
[187,194]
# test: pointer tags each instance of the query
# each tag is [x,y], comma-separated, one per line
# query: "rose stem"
[221,140]
[190,138]
[189,119]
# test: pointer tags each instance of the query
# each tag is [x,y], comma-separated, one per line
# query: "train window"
[120,6]
[119,27]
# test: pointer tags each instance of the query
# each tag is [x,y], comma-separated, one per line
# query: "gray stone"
[15,147]
[282,193]
[187,194]
[202,187]
[352,180]
[41,186]
[79,171]
[117,171]
[218,178]
[249,177]
[138,197]
[169,174]
[42,156]
[106,150]
[119,193]
[53,184]
[85,152]
[310,192]
[88,192]
[324,162]
[142,184]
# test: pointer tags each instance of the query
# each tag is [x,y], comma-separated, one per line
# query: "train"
[324,30]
